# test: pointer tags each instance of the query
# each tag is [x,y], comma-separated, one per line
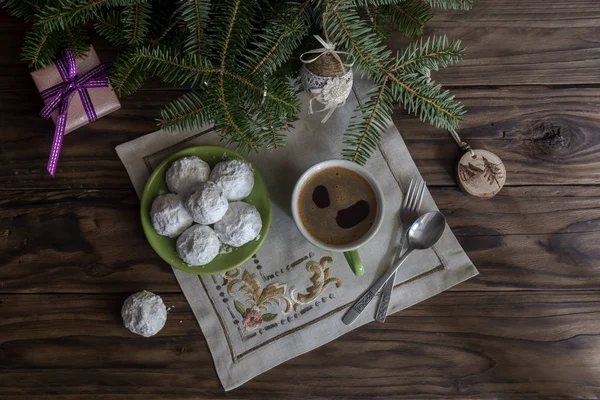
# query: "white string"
[328,48]
[463,145]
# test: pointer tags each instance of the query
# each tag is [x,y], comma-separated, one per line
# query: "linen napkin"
[289,298]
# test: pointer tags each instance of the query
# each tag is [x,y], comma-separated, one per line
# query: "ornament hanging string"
[328,48]
[60,98]
[337,84]
[463,145]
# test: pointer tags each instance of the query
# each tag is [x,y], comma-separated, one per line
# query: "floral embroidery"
[252,318]
[272,294]
[258,301]
[320,280]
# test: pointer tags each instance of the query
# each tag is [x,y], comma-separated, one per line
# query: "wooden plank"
[509,42]
[73,241]
[544,136]
[525,345]
[82,240]
[549,14]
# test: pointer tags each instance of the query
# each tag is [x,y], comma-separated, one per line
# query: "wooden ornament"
[481,173]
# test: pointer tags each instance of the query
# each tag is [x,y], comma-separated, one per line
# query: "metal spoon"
[423,234]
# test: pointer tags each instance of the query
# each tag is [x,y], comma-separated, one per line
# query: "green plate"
[165,247]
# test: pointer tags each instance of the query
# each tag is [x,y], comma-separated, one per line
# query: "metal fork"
[409,212]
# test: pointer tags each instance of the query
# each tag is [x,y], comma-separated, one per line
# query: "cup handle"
[354,262]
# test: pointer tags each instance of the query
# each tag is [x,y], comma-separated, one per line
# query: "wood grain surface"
[72,249]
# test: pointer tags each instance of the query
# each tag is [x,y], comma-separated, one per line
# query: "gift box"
[104,99]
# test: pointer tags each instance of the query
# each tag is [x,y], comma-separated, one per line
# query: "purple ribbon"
[60,98]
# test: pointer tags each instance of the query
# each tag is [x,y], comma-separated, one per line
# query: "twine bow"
[60,98]
[337,89]
[328,48]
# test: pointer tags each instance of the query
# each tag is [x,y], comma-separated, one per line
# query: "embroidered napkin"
[289,298]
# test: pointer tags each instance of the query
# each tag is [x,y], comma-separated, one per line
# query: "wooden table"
[72,249]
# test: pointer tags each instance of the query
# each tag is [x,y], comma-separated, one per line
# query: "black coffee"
[337,206]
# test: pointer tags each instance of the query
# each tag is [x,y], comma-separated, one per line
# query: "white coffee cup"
[350,250]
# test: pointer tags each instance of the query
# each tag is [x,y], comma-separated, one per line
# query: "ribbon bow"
[60,98]
[336,90]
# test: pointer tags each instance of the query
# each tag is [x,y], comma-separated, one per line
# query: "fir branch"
[377,3]
[431,54]
[345,27]
[75,39]
[275,93]
[231,29]
[273,128]
[128,75]
[26,9]
[136,20]
[187,112]
[268,130]
[40,48]
[234,12]
[167,26]
[110,26]
[423,98]
[171,66]
[276,139]
[62,14]
[409,16]
[451,4]
[195,15]
[228,123]
[280,38]
[164,34]
[365,129]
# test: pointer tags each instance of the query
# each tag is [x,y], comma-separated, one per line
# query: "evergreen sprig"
[128,75]
[26,9]
[195,15]
[110,26]
[409,16]
[282,36]
[431,54]
[136,21]
[239,59]
[366,127]
[451,4]
[63,14]
[41,48]
[191,110]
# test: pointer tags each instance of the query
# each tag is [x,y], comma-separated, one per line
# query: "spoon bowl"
[426,230]
[423,233]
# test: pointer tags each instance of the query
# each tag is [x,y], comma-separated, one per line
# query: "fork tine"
[421,194]
[408,194]
[413,195]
